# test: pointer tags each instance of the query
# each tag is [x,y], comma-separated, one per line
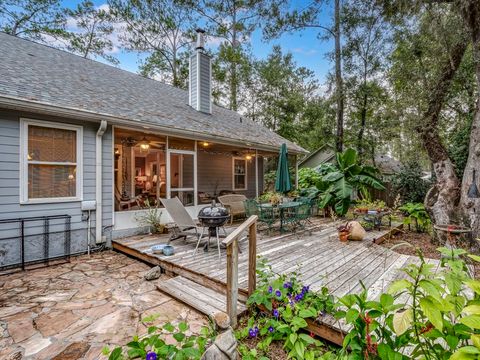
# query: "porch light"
[205,144]
[248,157]
[144,144]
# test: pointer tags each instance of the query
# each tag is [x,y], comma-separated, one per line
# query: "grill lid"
[213,211]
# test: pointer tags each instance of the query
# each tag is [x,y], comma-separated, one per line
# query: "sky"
[306,48]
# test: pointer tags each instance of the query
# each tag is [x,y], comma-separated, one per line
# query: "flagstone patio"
[72,310]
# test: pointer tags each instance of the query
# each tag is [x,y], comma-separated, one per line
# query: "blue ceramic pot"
[168,250]
[158,249]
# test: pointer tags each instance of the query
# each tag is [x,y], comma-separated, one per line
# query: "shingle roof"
[41,74]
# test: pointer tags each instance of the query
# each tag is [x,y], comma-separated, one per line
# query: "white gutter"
[98,179]
[82,114]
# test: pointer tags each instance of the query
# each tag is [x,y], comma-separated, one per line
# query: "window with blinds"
[51,154]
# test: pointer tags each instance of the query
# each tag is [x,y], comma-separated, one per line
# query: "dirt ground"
[410,242]
[71,311]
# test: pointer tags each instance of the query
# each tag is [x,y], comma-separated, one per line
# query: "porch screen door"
[182,176]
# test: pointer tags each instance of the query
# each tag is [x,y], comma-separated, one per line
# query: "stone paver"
[71,311]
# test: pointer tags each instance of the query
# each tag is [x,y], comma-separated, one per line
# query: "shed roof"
[37,75]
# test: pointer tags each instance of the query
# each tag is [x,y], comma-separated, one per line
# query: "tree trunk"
[338,78]
[470,207]
[442,199]
[363,122]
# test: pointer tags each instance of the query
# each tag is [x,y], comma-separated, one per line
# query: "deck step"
[199,297]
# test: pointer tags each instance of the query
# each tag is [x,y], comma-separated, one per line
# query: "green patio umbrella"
[282,180]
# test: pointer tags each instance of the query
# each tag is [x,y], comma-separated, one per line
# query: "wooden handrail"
[231,241]
[239,230]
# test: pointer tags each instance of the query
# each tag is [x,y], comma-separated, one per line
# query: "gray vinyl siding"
[215,174]
[10,206]
[193,81]
[204,83]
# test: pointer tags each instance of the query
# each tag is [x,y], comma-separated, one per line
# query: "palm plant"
[338,181]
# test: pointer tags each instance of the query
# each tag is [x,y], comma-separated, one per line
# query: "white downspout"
[98,183]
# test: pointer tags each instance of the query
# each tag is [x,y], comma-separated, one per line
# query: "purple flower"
[305,289]
[278,293]
[151,356]
[298,297]
[287,285]
[270,289]
[253,332]
[276,313]
[271,329]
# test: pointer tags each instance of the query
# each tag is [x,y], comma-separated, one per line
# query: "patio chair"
[302,214]
[184,224]
[234,204]
[266,215]
[250,207]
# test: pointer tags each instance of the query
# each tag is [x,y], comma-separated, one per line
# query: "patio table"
[375,217]
[284,208]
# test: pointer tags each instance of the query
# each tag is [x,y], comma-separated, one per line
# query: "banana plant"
[338,181]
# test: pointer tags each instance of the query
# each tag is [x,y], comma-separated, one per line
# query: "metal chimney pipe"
[200,39]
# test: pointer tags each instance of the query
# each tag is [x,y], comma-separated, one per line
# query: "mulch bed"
[415,242]
[275,351]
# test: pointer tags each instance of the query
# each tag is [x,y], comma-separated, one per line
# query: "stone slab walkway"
[72,310]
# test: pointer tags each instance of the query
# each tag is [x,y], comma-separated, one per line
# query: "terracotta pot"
[343,235]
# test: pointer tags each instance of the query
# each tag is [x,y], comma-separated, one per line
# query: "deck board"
[319,258]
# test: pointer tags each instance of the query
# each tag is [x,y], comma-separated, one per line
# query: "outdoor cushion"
[357,232]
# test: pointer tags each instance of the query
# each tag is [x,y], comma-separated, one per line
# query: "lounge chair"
[184,224]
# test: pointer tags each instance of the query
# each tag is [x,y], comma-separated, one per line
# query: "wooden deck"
[319,258]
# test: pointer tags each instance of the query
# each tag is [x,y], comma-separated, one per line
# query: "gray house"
[324,154]
[92,142]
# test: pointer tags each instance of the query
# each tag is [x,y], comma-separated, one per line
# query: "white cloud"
[303,51]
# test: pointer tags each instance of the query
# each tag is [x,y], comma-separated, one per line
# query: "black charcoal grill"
[212,218]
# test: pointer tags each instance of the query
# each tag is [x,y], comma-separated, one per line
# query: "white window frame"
[24,124]
[233,173]
[168,173]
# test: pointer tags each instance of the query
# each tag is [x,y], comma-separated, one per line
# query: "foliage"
[186,347]
[458,146]
[415,213]
[281,93]
[150,217]
[286,303]
[231,22]
[442,319]
[341,179]
[91,37]
[409,183]
[32,19]
[308,177]
[370,205]
[271,196]
[164,30]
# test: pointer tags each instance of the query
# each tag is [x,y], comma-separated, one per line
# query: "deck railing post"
[232,281]
[231,242]
[252,258]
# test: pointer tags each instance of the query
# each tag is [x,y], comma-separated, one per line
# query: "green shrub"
[285,304]
[440,321]
[409,183]
[339,181]
[416,214]
[153,345]
[307,178]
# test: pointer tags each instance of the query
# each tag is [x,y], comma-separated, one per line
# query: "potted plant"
[344,231]
[151,218]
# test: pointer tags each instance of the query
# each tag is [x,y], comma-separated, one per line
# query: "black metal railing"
[35,230]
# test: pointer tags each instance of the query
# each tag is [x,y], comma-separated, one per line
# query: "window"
[50,160]
[239,174]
